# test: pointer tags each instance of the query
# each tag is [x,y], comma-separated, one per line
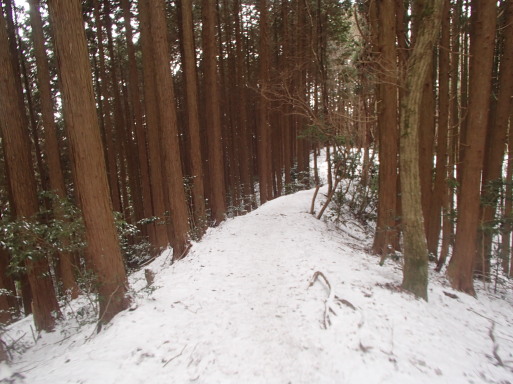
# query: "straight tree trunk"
[496,143]
[440,182]
[426,144]
[105,106]
[264,135]
[152,127]
[119,126]
[241,111]
[191,92]
[87,156]
[213,112]
[460,270]
[137,113]
[506,248]
[55,172]
[16,145]
[386,232]
[170,146]
[7,300]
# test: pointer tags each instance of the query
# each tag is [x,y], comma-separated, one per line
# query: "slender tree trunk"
[506,248]
[213,111]
[386,232]
[152,125]
[496,143]
[460,270]
[87,156]
[264,139]
[105,106]
[16,144]
[52,151]
[137,112]
[440,183]
[170,146]
[8,289]
[242,112]
[426,144]
[191,92]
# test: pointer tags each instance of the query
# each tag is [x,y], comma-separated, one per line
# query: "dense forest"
[130,126]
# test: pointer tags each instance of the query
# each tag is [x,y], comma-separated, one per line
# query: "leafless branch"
[330,300]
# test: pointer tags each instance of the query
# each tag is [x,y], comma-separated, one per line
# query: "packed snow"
[242,308]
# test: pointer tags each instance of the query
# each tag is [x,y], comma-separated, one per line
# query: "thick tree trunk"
[16,144]
[419,66]
[87,156]
[170,146]
[460,270]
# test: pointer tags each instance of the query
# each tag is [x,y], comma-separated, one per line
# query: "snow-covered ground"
[240,309]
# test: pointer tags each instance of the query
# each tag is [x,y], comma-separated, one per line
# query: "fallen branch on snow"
[331,300]
[495,346]
[174,357]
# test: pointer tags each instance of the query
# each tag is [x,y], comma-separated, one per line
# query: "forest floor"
[240,309]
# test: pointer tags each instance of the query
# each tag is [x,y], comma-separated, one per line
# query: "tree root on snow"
[331,300]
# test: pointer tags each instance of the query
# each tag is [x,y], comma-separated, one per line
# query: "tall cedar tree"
[137,121]
[264,129]
[496,141]
[213,113]
[484,18]
[87,156]
[18,158]
[440,181]
[104,96]
[55,170]
[170,146]
[502,118]
[193,122]
[385,31]
[152,127]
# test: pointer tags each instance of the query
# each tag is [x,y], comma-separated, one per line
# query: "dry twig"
[174,357]
[330,300]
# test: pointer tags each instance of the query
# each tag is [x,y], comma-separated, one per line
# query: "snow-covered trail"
[239,309]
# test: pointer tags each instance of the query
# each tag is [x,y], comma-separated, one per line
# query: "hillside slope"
[239,309]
